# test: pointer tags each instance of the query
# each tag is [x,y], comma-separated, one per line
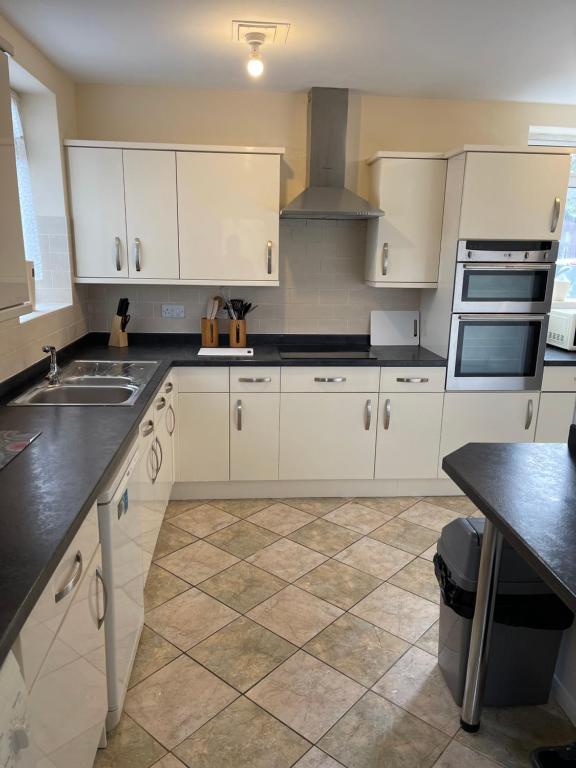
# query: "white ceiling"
[521,50]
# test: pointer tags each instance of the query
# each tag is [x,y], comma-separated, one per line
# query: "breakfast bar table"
[527,491]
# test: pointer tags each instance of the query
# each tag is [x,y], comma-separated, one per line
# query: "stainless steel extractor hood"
[326,197]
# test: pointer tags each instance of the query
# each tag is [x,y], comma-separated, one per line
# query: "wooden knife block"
[118,337]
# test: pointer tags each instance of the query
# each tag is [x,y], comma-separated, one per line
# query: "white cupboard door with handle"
[403,246]
[514,195]
[151,213]
[254,435]
[98,217]
[68,701]
[228,206]
[487,417]
[408,439]
[203,436]
[555,415]
[328,436]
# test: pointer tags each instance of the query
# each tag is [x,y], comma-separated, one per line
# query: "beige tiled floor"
[303,632]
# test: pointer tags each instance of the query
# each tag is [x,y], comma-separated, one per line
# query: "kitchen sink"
[93,382]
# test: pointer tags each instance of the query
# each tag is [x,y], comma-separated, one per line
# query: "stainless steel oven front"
[496,351]
[498,288]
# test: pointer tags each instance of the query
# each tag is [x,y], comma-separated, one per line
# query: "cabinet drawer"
[250,379]
[42,624]
[203,379]
[559,378]
[330,379]
[412,379]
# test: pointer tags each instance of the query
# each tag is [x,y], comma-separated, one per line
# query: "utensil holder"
[209,332]
[237,333]
[118,337]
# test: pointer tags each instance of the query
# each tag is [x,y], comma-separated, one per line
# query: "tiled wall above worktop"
[321,289]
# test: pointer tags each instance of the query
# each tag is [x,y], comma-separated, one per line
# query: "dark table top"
[557,356]
[528,490]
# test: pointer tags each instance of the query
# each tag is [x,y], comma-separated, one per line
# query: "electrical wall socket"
[173,310]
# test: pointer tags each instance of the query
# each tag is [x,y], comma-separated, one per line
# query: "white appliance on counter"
[562,329]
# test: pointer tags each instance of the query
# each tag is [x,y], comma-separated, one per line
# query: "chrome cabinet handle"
[161,403]
[368,415]
[169,387]
[255,380]
[269,256]
[173,414]
[138,262]
[117,253]
[408,380]
[76,573]
[148,428]
[529,414]
[159,444]
[385,259]
[387,412]
[239,415]
[330,380]
[154,462]
[555,214]
[105,593]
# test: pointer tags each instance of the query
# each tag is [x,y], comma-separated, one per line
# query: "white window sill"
[42,310]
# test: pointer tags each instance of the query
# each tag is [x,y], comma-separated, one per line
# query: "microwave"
[562,329]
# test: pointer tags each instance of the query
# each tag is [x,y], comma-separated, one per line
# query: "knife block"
[209,332]
[237,333]
[118,337]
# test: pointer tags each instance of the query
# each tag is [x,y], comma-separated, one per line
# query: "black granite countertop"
[48,489]
[557,356]
[528,490]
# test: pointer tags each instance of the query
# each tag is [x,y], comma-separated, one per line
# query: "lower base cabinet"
[487,417]
[203,436]
[408,435]
[327,436]
[254,424]
[555,415]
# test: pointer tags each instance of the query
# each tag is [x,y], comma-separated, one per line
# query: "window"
[27,211]
[546,135]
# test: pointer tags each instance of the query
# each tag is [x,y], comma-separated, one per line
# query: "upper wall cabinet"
[403,246]
[228,216]
[512,195]
[196,215]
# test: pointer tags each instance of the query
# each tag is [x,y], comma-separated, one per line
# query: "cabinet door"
[555,415]
[98,216]
[203,436]
[151,213]
[404,245]
[228,216]
[327,436]
[68,700]
[164,421]
[254,436]
[487,417]
[514,195]
[408,439]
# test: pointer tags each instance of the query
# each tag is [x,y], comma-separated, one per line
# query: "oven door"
[496,352]
[503,287]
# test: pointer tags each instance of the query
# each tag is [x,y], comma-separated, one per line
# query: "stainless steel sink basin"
[64,394]
[93,382]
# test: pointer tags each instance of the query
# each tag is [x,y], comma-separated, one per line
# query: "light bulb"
[255,65]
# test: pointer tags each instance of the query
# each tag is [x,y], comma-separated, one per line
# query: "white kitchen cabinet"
[98,217]
[68,701]
[555,415]
[151,214]
[203,436]
[514,195]
[408,437]
[403,246]
[487,417]
[325,436]
[228,215]
[254,435]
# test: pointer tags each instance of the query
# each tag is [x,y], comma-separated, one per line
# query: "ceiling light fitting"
[255,65]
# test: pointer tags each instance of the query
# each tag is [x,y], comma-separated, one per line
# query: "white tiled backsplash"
[321,290]
[54,287]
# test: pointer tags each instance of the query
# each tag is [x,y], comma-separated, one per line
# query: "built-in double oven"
[502,297]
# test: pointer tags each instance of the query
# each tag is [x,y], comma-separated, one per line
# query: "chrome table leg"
[481,627]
